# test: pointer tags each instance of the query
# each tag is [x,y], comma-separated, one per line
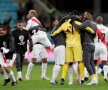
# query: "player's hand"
[51,36]
[31,48]
[52,46]
[9,63]
[33,31]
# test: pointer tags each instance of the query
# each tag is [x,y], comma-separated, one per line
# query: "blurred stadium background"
[14,10]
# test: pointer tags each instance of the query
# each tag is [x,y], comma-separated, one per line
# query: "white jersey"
[42,38]
[100,47]
[104,30]
[32,23]
[2,61]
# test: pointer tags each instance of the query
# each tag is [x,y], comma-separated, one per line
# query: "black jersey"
[21,37]
[59,39]
[7,41]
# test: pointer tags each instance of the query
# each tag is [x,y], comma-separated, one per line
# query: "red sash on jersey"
[4,58]
[101,36]
[36,21]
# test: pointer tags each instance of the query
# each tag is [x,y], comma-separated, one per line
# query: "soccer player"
[88,45]
[21,37]
[38,48]
[101,45]
[33,22]
[73,49]
[59,52]
[40,42]
[7,50]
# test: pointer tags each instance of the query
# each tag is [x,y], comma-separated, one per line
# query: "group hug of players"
[79,42]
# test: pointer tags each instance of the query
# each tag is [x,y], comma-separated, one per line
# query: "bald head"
[99,20]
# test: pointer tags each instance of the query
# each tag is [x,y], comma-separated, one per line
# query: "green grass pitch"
[35,82]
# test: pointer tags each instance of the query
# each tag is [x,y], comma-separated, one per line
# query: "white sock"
[13,59]
[44,67]
[78,77]
[75,67]
[70,74]
[85,72]
[20,74]
[56,70]
[99,70]
[4,74]
[105,69]
[11,74]
[30,66]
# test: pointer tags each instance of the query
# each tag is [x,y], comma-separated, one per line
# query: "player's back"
[104,30]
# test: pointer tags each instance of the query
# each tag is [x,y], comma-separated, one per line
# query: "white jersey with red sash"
[100,37]
[2,60]
[100,46]
[32,23]
[104,30]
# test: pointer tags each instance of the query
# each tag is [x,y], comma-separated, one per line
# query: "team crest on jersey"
[4,44]
[21,38]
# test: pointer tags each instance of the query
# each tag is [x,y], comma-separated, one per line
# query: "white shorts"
[59,55]
[10,62]
[100,52]
[2,61]
[39,51]
[41,37]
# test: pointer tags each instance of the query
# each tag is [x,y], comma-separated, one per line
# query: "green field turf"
[35,82]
